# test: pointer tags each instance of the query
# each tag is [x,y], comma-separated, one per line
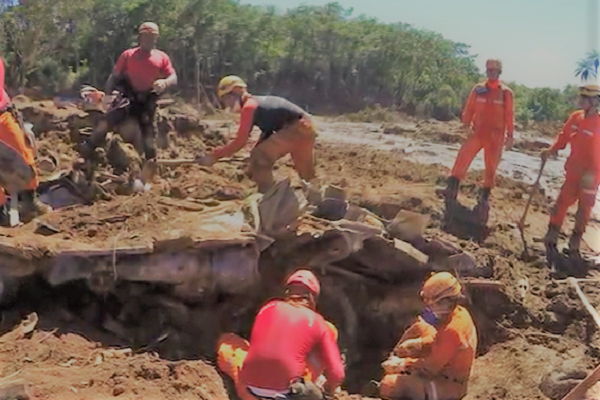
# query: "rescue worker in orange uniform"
[434,358]
[582,169]
[286,129]
[488,119]
[293,351]
[18,172]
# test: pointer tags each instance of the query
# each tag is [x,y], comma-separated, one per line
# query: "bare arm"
[171,80]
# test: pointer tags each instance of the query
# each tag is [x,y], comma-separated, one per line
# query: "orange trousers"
[17,156]
[492,144]
[571,192]
[298,140]
[231,354]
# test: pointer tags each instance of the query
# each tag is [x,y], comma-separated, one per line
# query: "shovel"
[521,223]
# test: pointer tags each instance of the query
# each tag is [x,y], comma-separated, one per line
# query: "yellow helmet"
[589,91]
[227,84]
[148,27]
[440,286]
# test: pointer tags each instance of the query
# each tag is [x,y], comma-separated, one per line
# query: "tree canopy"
[321,57]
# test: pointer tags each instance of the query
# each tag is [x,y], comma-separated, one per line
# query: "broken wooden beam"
[590,309]
[582,387]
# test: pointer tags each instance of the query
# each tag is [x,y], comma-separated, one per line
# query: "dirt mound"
[526,329]
[68,366]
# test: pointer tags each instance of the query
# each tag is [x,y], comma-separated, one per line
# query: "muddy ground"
[522,338]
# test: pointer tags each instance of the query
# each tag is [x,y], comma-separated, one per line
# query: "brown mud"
[526,331]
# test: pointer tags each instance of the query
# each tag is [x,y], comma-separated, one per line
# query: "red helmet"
[306,278]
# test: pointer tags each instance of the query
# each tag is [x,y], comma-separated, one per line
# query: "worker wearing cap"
[286,129]
[18,173]
[436,365]
[488,119]
[582,169]
[287,335]
[140,75]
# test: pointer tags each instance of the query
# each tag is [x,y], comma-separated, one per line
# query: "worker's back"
[282,338]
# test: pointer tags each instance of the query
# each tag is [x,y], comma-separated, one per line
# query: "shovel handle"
[537,181]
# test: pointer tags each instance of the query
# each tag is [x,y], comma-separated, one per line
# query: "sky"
[538,41]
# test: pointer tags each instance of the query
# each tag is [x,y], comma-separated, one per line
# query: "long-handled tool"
[521,223]
[579,391]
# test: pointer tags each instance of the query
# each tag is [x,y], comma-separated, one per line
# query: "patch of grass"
[375,113]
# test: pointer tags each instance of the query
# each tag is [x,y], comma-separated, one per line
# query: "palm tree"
[588,67]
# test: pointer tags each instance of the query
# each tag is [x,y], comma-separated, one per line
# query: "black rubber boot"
[4,217]
[31,204]
[451,192]
[575,243]
[551,238]
[482,209]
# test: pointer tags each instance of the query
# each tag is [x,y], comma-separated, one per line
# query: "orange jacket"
[583,133]
[452,352]
[490,109]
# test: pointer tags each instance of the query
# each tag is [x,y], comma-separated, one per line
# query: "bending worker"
[488,119]
[582,169]
[140,75]
[286,128]
[433,360]
[292,354]
[18,173]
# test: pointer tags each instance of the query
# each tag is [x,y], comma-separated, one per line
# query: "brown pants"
[298,140]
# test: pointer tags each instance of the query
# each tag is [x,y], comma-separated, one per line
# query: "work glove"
[546,154]
[468,129]
[408,348]
[587,181]
[508,143]
[393,365]
[29,135]
[159,86]
[206,160]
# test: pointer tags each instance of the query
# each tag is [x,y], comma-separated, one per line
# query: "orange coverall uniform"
[442,371]
[490,112]
[232,351]
[16,154]
[582,169]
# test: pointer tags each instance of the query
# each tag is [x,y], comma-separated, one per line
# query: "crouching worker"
[18,173]
[286,129]
[433,359]
[293,351]
[582,169]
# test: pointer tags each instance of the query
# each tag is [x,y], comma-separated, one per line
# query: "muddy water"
[514,164]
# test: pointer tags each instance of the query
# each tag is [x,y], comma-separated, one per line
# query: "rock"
[15,390]
[122,156]
[331,209]
[118,390]
[557,384]
[382,206]
[463,263]
[334,192]
[442,248]
[410,251]
[408,226]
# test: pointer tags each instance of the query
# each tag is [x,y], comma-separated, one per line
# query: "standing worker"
[435,356]
[18,172]
[140,75]
[488,119]
[582,169]
[286,129]
[292,354]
